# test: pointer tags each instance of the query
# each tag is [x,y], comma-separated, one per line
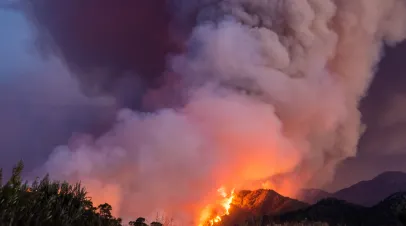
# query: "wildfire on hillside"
[240,204]
[213,214]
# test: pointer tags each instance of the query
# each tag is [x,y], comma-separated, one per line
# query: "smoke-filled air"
[267,96]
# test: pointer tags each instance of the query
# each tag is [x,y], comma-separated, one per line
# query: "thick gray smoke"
[271,91]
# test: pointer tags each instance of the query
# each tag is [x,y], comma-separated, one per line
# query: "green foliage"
[50,203]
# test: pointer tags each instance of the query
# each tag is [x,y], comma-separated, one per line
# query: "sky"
[40,102]
[41,106]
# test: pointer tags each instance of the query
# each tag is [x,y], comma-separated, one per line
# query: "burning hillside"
[248,204]
[297,70]
[267,207]
[213,213]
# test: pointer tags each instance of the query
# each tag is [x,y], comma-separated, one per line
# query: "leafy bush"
[49,203]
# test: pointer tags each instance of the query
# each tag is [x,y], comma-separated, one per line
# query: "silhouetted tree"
[139,222]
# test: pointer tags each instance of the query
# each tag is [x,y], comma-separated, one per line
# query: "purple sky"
[41,105]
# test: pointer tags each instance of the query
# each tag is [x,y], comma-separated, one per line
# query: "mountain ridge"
[257,203]
[376,202]
[267,207]
[391,211]
[366,192]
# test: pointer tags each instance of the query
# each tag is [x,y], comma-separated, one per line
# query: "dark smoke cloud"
[114,48]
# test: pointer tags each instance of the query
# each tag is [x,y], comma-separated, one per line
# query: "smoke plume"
[267,95]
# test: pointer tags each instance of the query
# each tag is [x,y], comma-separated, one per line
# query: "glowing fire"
[207,217]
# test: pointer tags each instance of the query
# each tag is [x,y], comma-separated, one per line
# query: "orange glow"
[213,214]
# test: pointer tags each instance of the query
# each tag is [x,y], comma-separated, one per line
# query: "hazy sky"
[40,102]
[41,106]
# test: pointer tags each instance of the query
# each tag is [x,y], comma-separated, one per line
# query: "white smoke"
[272,90]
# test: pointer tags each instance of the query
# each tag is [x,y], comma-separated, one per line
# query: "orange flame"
[207,218]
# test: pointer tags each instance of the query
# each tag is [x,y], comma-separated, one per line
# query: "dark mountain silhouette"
[394,205]
[377,202]
[366,193]
[389,212]
[266,207]
[312,195]
[330,210]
